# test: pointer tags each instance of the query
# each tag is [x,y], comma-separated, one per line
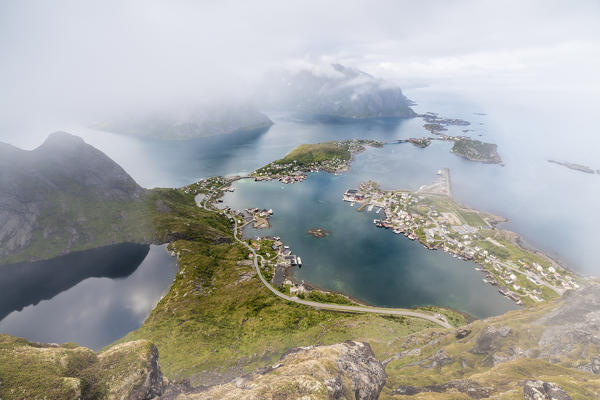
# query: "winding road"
[435,318]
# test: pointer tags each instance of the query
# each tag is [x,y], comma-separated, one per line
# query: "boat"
[299,261]
[352,204]
[377,212]
[370,208]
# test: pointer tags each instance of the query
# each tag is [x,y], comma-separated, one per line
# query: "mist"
[81,61]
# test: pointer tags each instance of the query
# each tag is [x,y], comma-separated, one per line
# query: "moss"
[32,370]
[212,322]
[323,297]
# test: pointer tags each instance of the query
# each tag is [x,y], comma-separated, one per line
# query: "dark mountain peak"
[55,189]
[7,149]
[337,91]
[61,138]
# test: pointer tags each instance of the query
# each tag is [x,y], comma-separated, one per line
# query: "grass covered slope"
[554,342]
[309,153]
[476,150]
[334,156]
[218,321]
[30,370]
[67,196]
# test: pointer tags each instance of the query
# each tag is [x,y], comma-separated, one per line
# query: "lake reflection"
[92,297]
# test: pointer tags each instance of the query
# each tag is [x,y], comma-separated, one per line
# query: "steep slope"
[31,370]
[182,125]
[63,195]
[338,91]
[66,196]
[551,348]
[548,352]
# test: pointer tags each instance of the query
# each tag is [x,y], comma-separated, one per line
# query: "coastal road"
[440,320]
[435,318]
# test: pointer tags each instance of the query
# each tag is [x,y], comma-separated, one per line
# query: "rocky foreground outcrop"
[346,370]
[544,352]
[30,370]
[130,370]
[538,390]
[547,352]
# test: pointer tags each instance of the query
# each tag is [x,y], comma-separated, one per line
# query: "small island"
[476,150]
[436,124]
[420,142]
[334,157]
[318,232]
[435,129]
[576,167]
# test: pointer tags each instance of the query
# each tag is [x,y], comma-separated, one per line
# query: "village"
[432,217]
[332,157]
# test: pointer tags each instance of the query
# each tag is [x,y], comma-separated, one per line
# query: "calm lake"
[91,297]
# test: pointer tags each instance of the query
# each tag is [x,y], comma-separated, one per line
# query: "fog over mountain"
[188,122]
[337,91]
[67,61]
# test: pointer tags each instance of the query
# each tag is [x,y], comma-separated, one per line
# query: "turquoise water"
[368,263]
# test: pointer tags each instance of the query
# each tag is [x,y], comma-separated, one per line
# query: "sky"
[74,59]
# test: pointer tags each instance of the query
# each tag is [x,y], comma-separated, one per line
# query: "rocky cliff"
[545,352]
[30,370]
[341,371]
[62,194]
[337,91]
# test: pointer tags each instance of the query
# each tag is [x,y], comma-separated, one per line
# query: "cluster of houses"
[406,214]
[285,179]
[259,213]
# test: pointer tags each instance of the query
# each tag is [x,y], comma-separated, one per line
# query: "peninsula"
[334,157]
[431,216]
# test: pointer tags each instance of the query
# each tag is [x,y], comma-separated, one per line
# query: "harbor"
[370,265]
[431,216]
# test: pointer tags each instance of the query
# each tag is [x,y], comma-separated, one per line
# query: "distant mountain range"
[341,92]
[62,195]
[183,125]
